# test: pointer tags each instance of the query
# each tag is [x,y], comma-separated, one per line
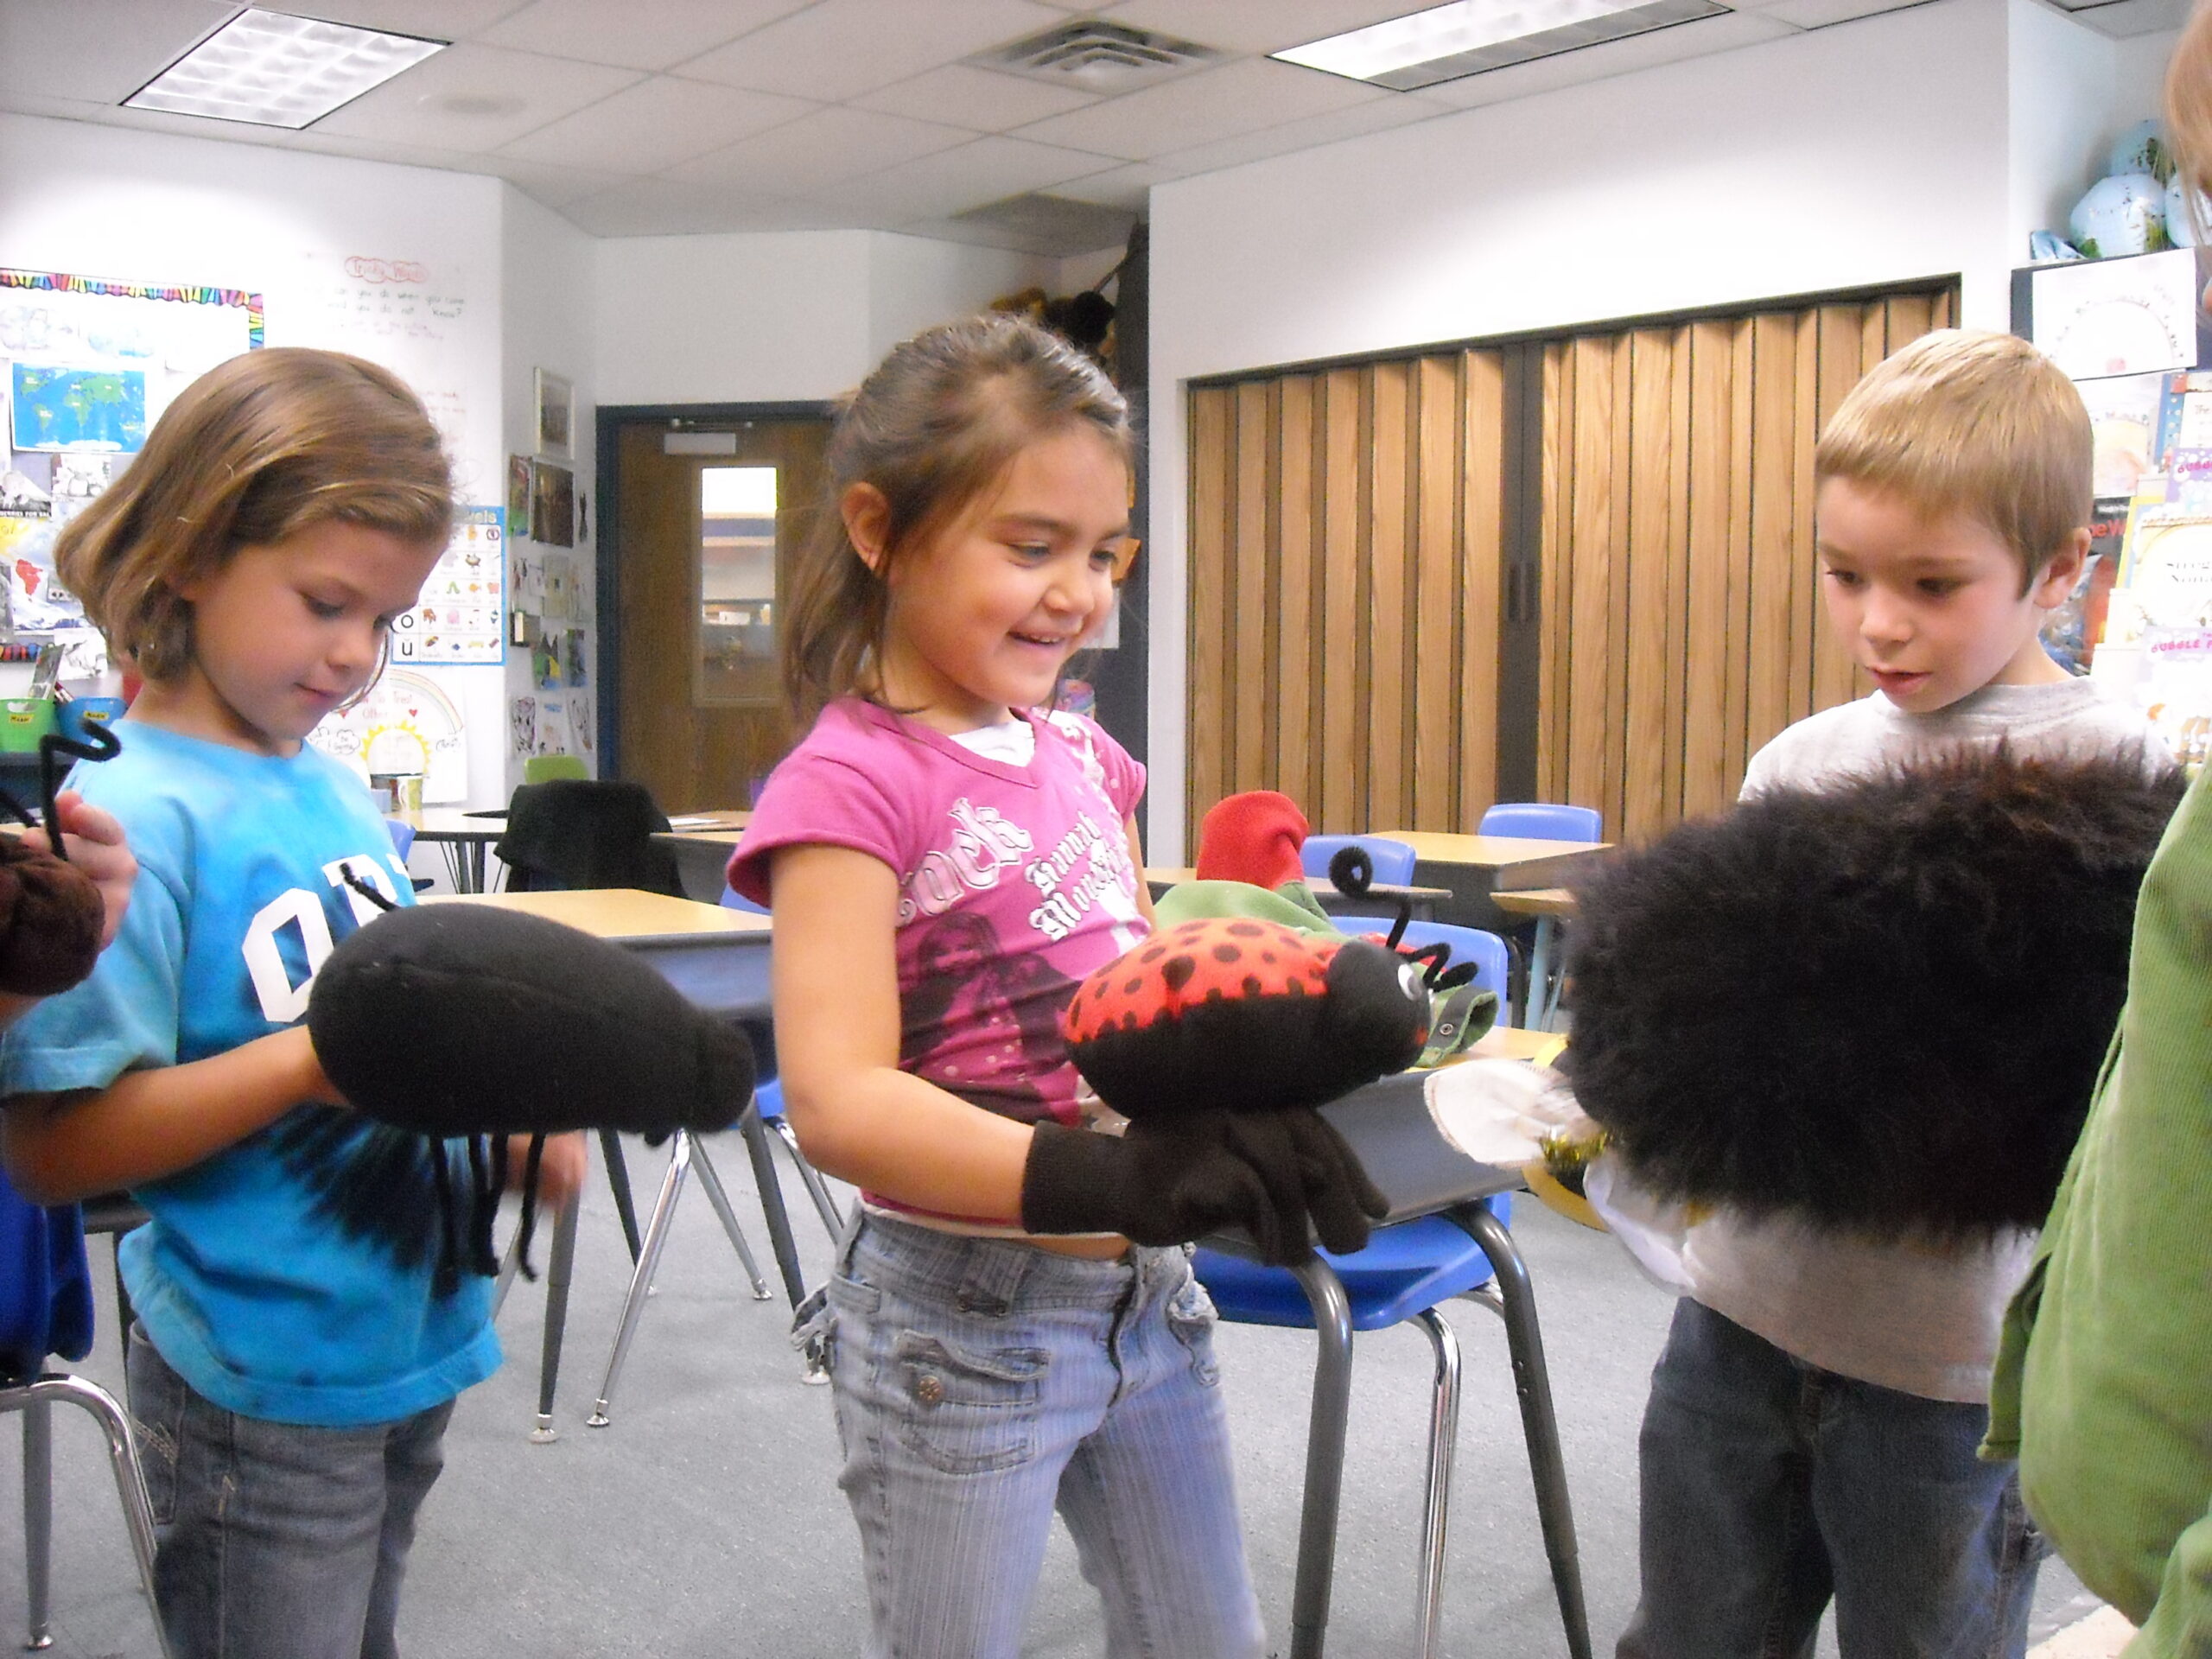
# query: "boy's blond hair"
[255,451]
[1979,424]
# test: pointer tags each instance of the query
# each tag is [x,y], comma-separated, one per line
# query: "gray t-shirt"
[1908,1313]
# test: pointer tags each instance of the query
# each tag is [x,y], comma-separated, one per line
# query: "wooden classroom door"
[1681,622]
[710,516]
[1344,548]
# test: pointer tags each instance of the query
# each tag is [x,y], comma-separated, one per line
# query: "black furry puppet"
[467,1021]
[1882,1006]
[51,914]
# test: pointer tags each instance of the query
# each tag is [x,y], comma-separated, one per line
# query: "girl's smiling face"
[986,611]
[284,633]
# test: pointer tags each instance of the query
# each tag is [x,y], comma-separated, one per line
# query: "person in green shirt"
[2103,1384]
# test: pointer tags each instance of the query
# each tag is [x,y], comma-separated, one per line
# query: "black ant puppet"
[467,1021]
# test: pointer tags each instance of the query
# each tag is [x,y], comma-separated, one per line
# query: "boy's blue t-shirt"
[293,1275]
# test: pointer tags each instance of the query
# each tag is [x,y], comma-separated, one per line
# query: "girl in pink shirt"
[946,864]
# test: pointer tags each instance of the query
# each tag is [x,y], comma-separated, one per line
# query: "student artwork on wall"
[461,618]
[519,494]
[404,724]
[553,505]
[555,408]
[87,367]
[522,726]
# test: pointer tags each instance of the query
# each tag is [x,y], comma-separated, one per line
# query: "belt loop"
[992,1279]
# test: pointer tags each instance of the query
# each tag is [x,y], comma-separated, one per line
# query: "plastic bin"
[23,721]
[73,716]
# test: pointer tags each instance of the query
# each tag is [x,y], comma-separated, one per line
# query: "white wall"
[2064,91]
[142,206]
[774,317]
[1867,153]
[546,321]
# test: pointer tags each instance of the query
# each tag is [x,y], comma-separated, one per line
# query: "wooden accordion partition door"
[1346,554]
[1681,622]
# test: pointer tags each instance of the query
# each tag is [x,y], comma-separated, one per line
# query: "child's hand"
[94,842]
[560,1167]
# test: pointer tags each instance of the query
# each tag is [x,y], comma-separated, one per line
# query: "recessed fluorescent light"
[1468,37]
[275,70]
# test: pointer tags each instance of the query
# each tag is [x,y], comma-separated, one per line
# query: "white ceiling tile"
[1610,58]
[654,125]
[100,51]
[1314,129]
[838,49]
[2123,18]
[1231,99]
[824,147]
[1819,14]
[654,36]
[665,207]
[1127,187]
[513,94]
[953,181]
[435,20]
[980,99]
[555,187]
[1259,25]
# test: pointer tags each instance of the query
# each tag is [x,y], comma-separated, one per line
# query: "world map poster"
[79,409]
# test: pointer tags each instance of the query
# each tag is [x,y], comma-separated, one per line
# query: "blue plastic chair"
[1493,961]
[1542,821]
[1393,860]
[1404,1273]
[46,1309]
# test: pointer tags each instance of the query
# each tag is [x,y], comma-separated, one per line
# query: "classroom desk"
[1475,867]
[718,959]
[1548,905]
[1420,1174]
[466,836]
[1382,896]
[702,842]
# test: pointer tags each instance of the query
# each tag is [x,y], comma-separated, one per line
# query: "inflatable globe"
[2125,213]
[2141,149]
[2182,230]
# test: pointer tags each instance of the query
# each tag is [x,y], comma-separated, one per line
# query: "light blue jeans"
[276,1541]
[980,1385]
[1770,1485]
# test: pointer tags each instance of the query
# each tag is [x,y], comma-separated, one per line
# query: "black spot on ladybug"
[1213,993]
[1267,957]
[1133,987]
[1294,988]
[1252,986]
[1176,974]
[1129,1021]
[1246,930]
[1227,953]
[1155,954]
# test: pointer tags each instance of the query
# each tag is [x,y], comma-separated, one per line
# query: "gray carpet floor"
[705,1520]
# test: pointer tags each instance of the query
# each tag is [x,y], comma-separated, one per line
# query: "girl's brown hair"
[257,449]
[936,423]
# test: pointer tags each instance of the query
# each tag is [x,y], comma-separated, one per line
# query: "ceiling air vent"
[1097,57]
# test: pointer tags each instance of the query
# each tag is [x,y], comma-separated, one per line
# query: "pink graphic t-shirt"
[1014,882]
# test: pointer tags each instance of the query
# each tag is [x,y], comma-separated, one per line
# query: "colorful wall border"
[61,281]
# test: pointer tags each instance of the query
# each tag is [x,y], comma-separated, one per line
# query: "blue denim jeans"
[981,1384]
[1771,1486]
[276,1541]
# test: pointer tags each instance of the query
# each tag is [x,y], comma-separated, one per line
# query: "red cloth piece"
[1254,837]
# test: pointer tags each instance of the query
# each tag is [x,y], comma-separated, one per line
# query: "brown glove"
[50,921]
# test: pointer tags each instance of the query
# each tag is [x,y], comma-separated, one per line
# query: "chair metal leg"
[712,1180]
[641,1276]
[824,1206]
[1436,1506]
[1324,1457]
[123,1459]
[557,1277]
[1542,1000]
[618,1179]
[1539,1424]
[772,1204]
[38,1520]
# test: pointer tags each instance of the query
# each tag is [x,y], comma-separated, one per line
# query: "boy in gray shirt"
[1813,1423]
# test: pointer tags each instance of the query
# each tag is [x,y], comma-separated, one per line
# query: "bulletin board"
[87,367]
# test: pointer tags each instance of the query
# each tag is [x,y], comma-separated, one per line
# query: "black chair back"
[585,832]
